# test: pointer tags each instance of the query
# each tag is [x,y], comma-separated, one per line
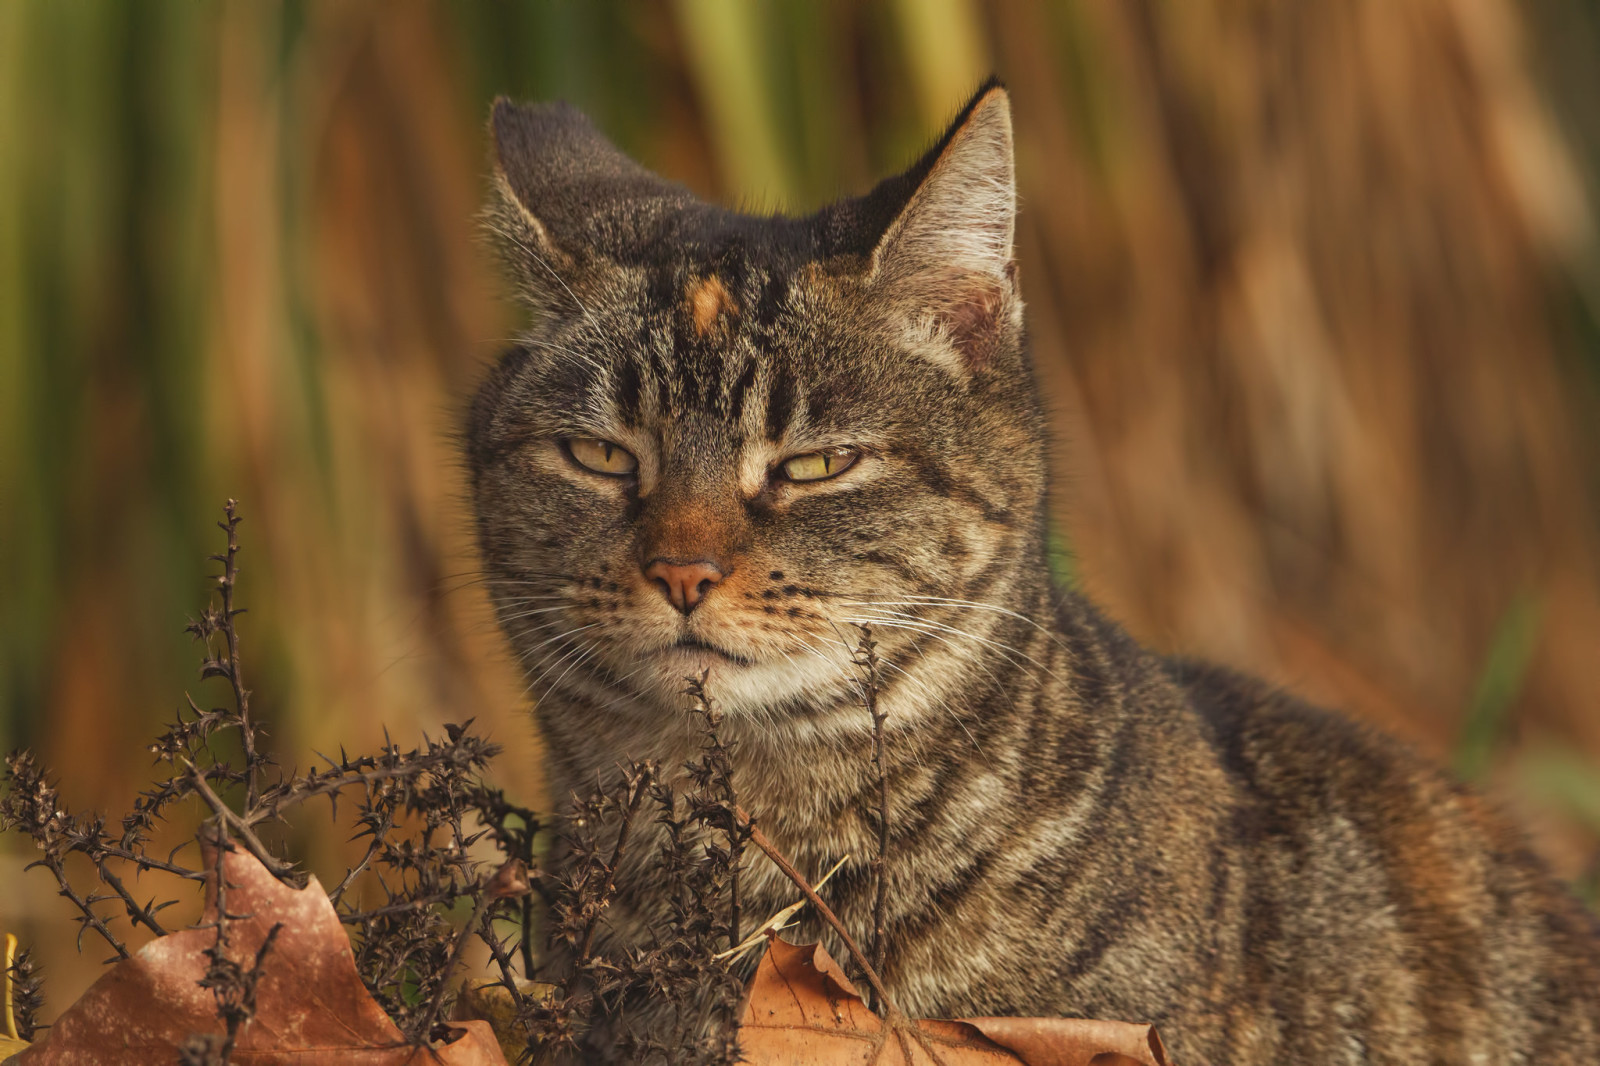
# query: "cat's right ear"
[945,261]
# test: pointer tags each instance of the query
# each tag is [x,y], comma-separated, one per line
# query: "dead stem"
[759,839]
[241,695]
[866,657]
[637,788]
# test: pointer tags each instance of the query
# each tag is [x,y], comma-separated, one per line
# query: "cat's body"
[1078,826]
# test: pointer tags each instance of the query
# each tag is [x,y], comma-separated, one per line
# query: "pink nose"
[685,584]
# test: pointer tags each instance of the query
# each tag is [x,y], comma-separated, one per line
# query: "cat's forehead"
[724,342]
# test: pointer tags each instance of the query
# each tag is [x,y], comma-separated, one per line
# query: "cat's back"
[1385,913]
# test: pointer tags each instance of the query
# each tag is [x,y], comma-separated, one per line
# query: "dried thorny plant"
[421,811]
[230,981]
[865,658]
[440,841]
[674,1001]
[24,994]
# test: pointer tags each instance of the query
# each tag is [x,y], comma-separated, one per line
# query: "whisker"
[1000,646]
[929,694]
[523,656]
[944,703]
[999,686]
[507,234]
[946,601]
[589,648]
[529,614]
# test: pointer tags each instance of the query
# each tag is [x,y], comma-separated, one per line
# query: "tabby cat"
[728,441]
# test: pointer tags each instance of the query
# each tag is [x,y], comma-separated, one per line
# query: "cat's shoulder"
[1277,743]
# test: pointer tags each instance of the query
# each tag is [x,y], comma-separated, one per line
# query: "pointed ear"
[947,258]
[566,202]
[539,267]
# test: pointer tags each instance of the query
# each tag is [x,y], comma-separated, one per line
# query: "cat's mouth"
[691,643]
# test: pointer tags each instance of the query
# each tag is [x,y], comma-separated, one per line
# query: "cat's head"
[726,440]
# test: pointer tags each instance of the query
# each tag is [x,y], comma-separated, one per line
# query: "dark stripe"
[663,381]
[947,897]
[771,301]
[780,404]
[884,559]
[977,588]
[1104,928]
[740,388]
[487,453]
[654,366]
[574,378]
[822,398]
[940,483]
[930,811]
[687,380]
[628,388]
[715,369]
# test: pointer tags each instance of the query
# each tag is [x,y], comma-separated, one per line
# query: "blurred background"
[1314,291]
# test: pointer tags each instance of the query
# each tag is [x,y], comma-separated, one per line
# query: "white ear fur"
[962,218]
[945,265]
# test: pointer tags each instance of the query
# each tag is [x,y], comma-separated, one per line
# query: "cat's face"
[730,442]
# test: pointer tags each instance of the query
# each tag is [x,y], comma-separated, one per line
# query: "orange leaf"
[800,1008]
[311,1007]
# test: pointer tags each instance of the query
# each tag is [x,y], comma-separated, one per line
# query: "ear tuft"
[947,257]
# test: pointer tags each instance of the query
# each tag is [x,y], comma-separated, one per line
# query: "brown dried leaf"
[311,1007]
[800,1008]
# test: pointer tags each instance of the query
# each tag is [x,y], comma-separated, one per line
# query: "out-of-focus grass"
[1504,668]
[1569,782]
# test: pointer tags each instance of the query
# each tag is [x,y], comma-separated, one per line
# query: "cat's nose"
[684,584]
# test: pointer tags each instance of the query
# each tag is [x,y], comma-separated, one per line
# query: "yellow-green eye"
[602,456]
[814,466]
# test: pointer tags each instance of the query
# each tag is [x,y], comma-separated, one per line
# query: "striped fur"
[1079,826]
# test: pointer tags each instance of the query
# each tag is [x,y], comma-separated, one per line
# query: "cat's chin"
[705,652]
[736,684]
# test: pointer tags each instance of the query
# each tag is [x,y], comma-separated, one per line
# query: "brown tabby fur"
[1079,826]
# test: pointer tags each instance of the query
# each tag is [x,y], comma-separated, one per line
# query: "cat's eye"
[601,456]
[814,466]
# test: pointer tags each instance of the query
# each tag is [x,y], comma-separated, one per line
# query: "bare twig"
[715,773]
[20,991]
[138,914]
[508,882]
[225,815]
[405,941]
[87,918]
[383,822]
[780,921]
[638,786]
[759,839]
[241,695]
[866,657]
[230,982]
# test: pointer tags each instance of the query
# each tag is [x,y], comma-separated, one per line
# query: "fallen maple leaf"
[311,1007]
[800,1008]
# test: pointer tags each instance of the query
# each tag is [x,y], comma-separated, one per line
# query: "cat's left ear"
[567,203]
[946,261]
